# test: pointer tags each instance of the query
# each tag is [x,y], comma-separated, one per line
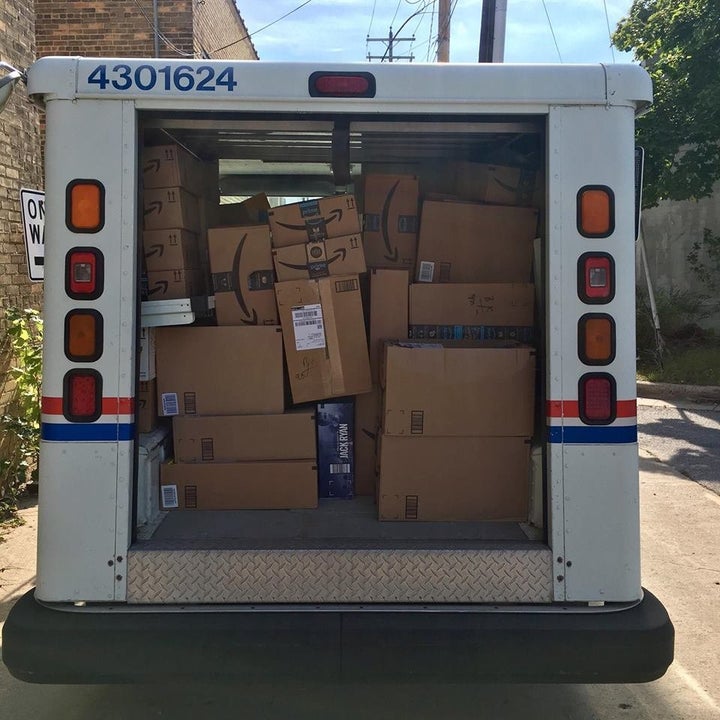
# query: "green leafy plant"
[704,261]
[20,423]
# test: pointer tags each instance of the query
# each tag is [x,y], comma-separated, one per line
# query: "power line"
[372,17]
[552,31]
[160,36]
[607,20]
[264,27]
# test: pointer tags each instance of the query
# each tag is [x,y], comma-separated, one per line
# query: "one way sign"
[33,215]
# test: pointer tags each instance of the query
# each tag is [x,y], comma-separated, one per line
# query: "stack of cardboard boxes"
[306,345]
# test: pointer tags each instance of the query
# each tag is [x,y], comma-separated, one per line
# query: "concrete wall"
[670,231]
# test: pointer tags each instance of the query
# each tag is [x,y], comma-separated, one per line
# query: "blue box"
[335,444]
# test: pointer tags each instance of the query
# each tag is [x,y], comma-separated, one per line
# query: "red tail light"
[329,84]
[598,399]
[596,278]
[84,273]
[82,396]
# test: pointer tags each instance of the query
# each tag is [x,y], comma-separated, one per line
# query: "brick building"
[30,29]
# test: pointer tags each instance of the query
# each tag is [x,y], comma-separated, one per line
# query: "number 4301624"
[183,78]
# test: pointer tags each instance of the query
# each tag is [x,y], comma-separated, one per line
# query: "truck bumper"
[46,645]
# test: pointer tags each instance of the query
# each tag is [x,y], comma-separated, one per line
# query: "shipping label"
[309,327]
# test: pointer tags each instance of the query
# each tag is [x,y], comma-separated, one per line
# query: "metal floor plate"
[301,558]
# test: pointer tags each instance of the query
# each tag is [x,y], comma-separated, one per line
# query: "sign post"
[33,216]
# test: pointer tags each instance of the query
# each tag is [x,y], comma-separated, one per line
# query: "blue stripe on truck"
[592,434]
[92,432]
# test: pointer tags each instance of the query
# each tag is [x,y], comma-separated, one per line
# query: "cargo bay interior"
[341,347]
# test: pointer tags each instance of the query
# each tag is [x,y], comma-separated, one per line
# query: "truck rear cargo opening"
[332,373]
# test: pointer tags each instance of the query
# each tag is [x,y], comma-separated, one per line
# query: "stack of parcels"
[173,223]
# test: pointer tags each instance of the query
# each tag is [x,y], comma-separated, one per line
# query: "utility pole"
[389,54]
[492,31]
[443,52]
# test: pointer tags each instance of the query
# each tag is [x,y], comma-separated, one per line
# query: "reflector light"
[85,206]
[82,399]
[596,278]
[84,273]
[83,335]
[595,211]
[596,339]
[597,399]
[361,84]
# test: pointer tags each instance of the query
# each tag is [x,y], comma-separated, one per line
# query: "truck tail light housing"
[596,339]
[595,211]
[85,206]
[83,335]
[82,395]
[336,84]
[598,399]
[84,273]
[596,278]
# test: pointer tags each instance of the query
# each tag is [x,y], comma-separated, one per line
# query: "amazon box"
[253,211]
[320,258]
[147,415]
[336,448]
[462,479]
[172,207]
[170,249]
[175,284]
[166,166]
[324,336]
[467,311]
[266,485]
[148,364]
[367,422]
[498,184]
[233,438]
[454,389]
[219,370]
[462,242]
[319,219]
[242,275]
[388,312]
[390,220]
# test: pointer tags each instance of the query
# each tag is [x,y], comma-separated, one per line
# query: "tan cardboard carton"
[458,389]
[165,166]
[252,211]
[175,284]
[388,312]
[242,275]
[390,220]
[220,370]
[319,219]
[320,258]
[147,415]
[464,479]
[235,438]
[324,336]
[498,184]
[173,207]
[367,424]
[170,249]
[462,242]
[269,485]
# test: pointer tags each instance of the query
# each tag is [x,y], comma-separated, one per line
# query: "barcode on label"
[427,270]
[170,404]
[169,496]
[339,468]
[299,314]
[309,327]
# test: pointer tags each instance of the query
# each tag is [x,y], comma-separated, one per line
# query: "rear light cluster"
[84,281]
[596,286]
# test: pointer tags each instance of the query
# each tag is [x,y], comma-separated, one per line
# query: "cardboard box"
[458,389]
[170,249]
[166,166]
[388,312]
[472,243]
[320,258]
[253,211]
[241,438]
[335,442]
[168,208]
[242,275]
[270,485]
[462,479]
[324,336]
[147,412]
[220,370]
[174,284]
[367,424]
[390,220]
[148,365]
[319,219]
[498,184]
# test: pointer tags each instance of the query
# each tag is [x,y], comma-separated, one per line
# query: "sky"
[538,31]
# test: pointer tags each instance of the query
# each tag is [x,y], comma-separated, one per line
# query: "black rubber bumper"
[50,646]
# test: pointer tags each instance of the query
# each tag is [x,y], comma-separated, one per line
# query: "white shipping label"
[170,404]
[309,327]
[426,271]
[170,497]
